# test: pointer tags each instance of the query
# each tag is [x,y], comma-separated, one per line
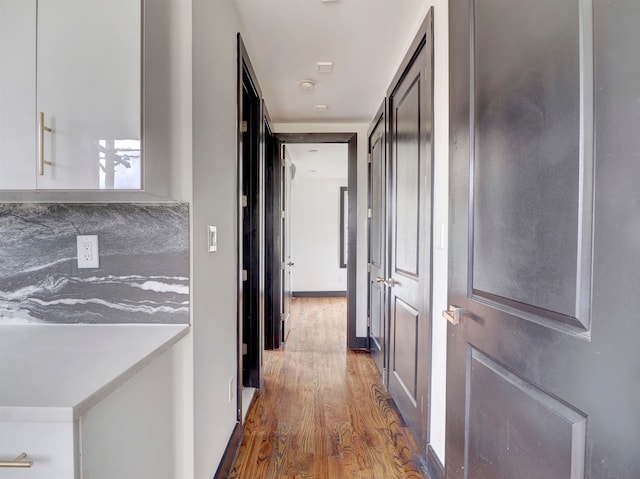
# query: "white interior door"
[286,245]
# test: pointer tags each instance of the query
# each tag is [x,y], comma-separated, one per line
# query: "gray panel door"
[409,284]
[543,371]
[378,244]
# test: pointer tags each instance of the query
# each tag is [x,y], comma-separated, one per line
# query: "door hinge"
[369,158]
[282,156]
[282,265]
[283,162]
[245,275]
[368,321]
[283,215]
[244,348]
[368,267]
[245,201]
[370,212]
[244,127]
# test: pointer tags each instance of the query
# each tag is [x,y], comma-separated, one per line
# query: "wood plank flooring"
[323,412]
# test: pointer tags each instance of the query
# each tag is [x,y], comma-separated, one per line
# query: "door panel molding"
[521,415]
[405,361]
[497,188]
[406,113]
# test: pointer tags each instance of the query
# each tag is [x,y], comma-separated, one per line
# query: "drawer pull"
[17,462]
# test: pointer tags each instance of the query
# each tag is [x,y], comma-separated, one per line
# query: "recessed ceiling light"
[322,107]
[329,1]
[325,67]
[313,150]
[313,171]
[306,85]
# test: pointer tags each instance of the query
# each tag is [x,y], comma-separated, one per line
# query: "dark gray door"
[409,284]
[543,369]
[378,243]
[286,263]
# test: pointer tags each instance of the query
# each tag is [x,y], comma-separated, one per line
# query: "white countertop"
[54,373]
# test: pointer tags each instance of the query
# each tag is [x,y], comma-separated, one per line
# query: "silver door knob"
[391,282]
[453,314]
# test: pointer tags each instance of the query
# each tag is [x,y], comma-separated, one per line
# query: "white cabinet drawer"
[49,445]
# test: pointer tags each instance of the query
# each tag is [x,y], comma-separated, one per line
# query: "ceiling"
[365,40]
[319,160]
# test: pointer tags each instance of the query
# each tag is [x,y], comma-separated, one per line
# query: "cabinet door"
[17,94]
[88,87]
[48,445]
[133,433]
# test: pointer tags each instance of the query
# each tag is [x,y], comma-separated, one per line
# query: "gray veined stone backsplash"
[144,263]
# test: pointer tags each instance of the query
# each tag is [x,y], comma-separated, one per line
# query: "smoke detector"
[306,85]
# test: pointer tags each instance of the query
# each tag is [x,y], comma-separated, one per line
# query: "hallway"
[323,412]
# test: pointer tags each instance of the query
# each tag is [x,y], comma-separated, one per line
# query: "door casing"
[351,139]
[377,307]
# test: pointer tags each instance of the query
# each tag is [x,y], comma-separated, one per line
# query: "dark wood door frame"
[273,239]
[250,214]
[351,139]
[377,267]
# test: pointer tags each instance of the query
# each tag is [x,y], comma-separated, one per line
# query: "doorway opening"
[318,213]
[275,319]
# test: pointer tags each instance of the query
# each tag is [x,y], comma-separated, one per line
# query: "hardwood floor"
[323,412]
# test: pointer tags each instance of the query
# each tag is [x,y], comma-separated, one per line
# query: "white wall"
[315,234]
[441,223]
[168,161]
[215,24]
[361,261]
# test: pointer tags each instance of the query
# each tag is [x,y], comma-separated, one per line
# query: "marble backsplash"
[143,275]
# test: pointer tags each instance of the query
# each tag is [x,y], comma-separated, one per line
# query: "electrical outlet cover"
[87,246]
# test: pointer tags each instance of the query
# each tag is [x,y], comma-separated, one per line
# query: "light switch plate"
[212,238]
[87,246]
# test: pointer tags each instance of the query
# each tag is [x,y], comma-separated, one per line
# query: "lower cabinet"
[129,434]
[49,447]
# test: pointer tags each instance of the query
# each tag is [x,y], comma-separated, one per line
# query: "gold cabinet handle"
[453,315]
[42,128]
[17,462]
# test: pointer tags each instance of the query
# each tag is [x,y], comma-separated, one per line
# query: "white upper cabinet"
[81,115]
[17,94]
